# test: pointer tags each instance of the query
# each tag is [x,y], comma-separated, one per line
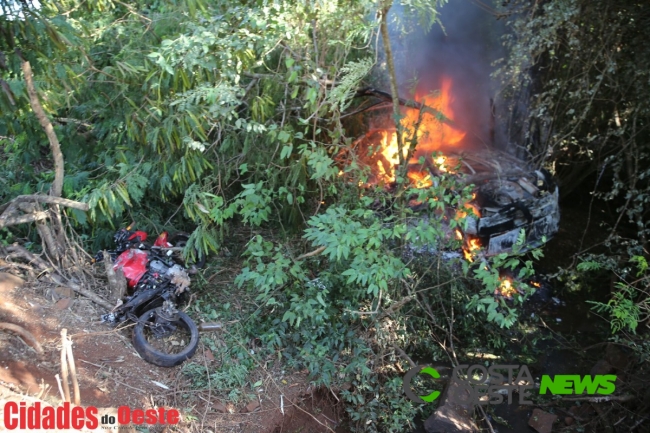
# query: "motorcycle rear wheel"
[180,240]
[171,349]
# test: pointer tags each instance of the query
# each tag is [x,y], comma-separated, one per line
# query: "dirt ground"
[112,374]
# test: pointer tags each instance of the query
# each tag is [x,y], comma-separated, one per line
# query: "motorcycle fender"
[133,264]
[161,241]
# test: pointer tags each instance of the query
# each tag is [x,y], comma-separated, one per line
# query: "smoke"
[463,49]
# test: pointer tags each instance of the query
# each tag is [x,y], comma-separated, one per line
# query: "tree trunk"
[397,114]
[56,249]
[57,185]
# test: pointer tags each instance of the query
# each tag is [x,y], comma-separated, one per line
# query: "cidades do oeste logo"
[43,417]
[477,384]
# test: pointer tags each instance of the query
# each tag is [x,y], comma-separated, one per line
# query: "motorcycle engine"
[159,267]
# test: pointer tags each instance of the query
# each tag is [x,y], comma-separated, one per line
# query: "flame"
[535,284]
[432,136]
[440,162]
[473,245]
[506,289]
[390,156]
[420,179]
[459,235]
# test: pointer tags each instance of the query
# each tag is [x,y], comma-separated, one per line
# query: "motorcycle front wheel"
[167,344]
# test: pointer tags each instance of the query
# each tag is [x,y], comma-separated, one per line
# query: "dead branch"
[24,334]
[311,254]
[64,365]
[408,103]
[394,95]
[7,89]
[394,307]
[486,419]
[40,199]
[404,356]
[58,382]
[12,221]
[21,252]
[73,371]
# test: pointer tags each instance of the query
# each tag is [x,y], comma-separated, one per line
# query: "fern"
[341,96]
[136,186]
[624,312]
[589,265]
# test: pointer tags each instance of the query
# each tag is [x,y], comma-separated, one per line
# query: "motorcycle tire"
[157,356]
[180,240]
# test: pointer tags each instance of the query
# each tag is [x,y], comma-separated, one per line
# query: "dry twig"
[311,254]
[53,274]
[73,371]
[64,365]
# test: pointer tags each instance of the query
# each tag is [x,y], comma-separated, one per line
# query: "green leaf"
[286,151]
[319,298]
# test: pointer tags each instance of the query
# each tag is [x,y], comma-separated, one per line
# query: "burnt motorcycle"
[163,335]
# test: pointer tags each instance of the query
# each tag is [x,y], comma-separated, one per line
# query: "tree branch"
[385,6]
[312,253]
[12,221]
[408,103]
[7,208]
[57,185]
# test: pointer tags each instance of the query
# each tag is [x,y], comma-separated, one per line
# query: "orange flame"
[506,289]
[473,245]
[420,179]
[432,136]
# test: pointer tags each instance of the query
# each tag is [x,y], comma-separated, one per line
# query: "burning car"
[509,195]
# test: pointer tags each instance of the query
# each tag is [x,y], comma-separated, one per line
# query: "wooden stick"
[24,334]
[73,371]
[64,365]
[58,381]
[404,356]
[312,253]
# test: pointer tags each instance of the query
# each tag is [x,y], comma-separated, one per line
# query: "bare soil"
[111,373]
